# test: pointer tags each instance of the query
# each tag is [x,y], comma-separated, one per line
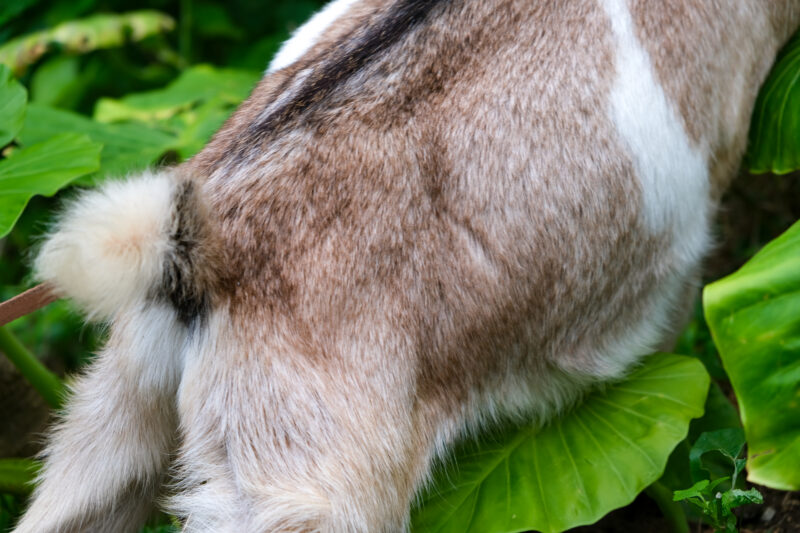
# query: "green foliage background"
[135,86]
[187,75]
[92,89]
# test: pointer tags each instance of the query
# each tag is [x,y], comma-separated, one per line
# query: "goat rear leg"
[105,459]
[276,442]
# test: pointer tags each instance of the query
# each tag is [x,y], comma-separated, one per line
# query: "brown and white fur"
[429,214]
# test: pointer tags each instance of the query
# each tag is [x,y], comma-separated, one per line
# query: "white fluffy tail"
[107,251]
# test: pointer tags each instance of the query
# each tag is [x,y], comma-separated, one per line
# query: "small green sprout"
[708,495]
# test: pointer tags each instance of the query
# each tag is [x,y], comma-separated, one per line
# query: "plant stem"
[671,510]
[45,382]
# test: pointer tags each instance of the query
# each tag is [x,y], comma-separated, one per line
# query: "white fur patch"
[674,175]
[108,247]
[674,179]
[306,35]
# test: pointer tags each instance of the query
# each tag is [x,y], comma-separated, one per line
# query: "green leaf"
[775,126]
[736,497]
[43,168]
[13,98]
[57,81]
[126,147]
[197,84]
[729,442]
[16,475]
[193,107]
[85,35]
[258,53]
[576,469]
[695,491]
[198,125]
[47,384]
[754,315]
[719,414]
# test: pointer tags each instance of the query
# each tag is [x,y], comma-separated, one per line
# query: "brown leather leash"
[27,302]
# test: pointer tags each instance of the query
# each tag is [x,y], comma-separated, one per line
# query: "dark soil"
[755,210]
[642,516]
[780,513]
[23,412]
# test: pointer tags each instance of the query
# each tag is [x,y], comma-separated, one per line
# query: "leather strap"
[27,302]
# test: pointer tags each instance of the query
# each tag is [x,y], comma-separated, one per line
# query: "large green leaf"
[192,108]
[576,469]
[126,147]
[754,315]
[43,168]
[13,98]
[197,84]
[81,36]
[775,126]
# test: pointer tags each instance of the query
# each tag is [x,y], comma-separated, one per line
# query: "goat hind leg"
[274,441]
[105,459]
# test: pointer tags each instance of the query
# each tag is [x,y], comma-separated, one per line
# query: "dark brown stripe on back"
[347,59]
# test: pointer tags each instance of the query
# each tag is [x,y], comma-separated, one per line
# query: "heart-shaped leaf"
[43,168]
[775,126]
[727,442]
[576,469]
[754,315]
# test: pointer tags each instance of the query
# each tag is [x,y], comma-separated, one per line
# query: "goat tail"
[131,240]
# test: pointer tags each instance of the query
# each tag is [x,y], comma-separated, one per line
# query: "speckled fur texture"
[429,215]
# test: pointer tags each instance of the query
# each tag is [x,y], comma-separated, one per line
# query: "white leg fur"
[106,458]
[246,465]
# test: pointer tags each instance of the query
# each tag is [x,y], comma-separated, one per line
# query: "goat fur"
[429,215]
